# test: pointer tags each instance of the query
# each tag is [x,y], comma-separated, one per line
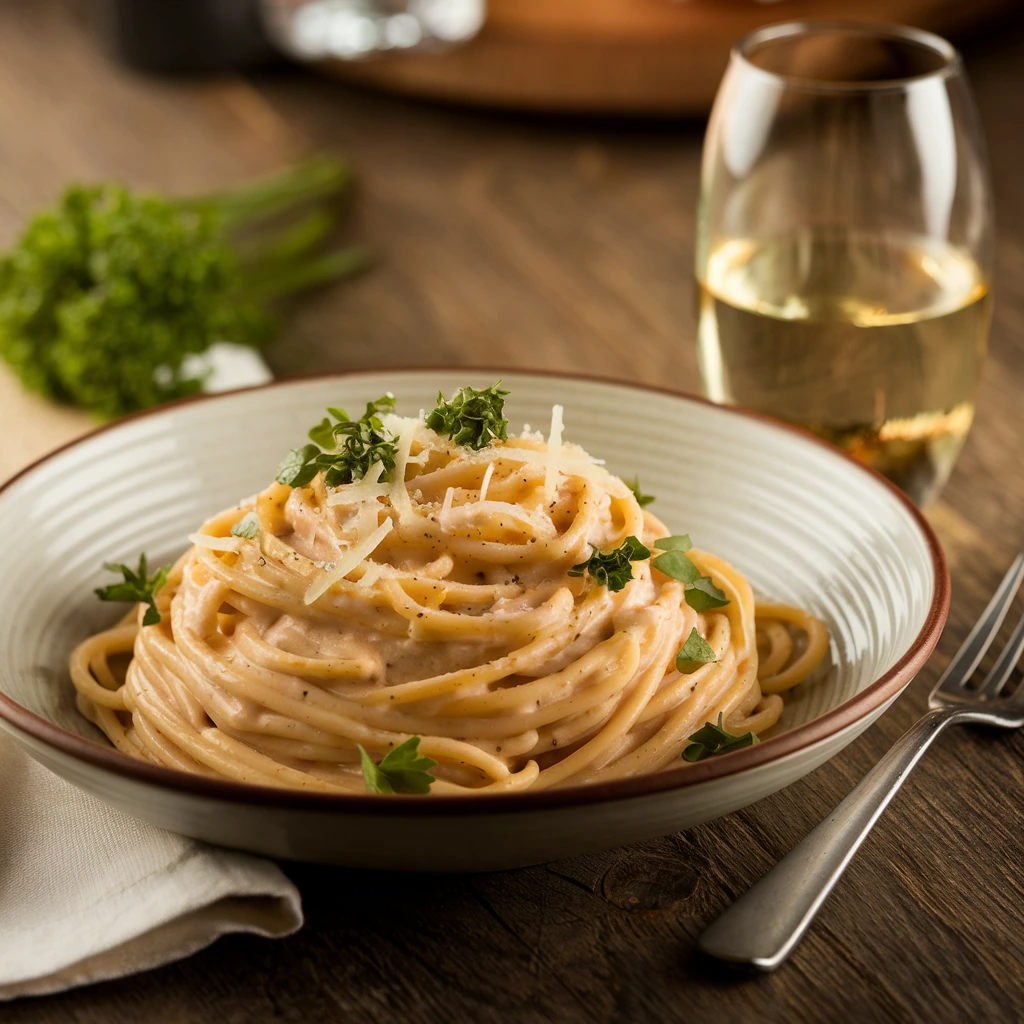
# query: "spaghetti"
[435,600]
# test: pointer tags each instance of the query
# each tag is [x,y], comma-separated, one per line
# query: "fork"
[764,925]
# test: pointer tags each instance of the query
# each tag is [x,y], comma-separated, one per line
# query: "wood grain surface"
[566,245]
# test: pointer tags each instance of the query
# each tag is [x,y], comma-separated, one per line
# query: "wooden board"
[623,56]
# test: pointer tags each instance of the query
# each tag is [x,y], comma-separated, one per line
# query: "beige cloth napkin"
[86,892]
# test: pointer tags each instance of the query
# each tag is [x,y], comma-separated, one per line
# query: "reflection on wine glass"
[844,242]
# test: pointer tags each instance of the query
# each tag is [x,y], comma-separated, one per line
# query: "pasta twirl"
[435,601]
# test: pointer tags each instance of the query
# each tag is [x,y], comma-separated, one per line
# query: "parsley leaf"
[694,653]
[138,587]
[472,418]
[701,592]
[248,526]
[402,770]
[675,564]
[643,500]
[612,570]
[713,739]
[344,450]
[680,542]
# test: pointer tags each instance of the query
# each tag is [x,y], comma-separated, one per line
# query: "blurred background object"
[844,250]
[657,57]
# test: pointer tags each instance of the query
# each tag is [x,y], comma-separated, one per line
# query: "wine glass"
[844,248]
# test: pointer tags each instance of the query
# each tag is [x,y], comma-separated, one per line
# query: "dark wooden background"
[560,244]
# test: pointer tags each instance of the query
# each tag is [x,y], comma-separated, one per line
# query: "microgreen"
[343,450]
[643,500]
[401,770]
[472,418]
[138,587]
[694,653]
[612,569]
[710,740]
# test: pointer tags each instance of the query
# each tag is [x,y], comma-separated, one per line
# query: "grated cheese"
[204,540]
[372,574]
[404,428]
[485,483]
[568,464]
[349,561]
[366,489]
[554,454]
[446,507]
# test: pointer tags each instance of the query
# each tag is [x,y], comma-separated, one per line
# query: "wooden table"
[565,245]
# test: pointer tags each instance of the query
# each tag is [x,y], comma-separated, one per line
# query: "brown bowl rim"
[872,697]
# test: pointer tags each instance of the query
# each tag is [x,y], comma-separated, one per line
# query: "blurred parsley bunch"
[106,294]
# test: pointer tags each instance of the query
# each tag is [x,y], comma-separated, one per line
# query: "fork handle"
[764,925]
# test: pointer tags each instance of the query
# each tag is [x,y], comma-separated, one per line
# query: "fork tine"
[1000,671]
[978,641]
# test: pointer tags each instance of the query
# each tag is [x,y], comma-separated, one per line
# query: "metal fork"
[764,925]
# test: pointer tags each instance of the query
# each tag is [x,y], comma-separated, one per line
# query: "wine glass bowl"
[844,242]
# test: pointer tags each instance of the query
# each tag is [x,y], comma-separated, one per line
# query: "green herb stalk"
[106,294]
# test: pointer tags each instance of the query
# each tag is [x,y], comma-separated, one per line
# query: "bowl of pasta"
[451,619]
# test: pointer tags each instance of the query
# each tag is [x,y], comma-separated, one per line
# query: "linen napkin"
[88,893]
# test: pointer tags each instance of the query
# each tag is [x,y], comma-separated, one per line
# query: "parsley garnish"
[343,451]
[612,570]
[402,770]
[138,587]
[680,542]
[675,564]
[700,591]
[702,594]
[694,653]
[472,418]
[711,740]
[643,500]
[248,526]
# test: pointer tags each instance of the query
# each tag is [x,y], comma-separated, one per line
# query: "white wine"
[874,342]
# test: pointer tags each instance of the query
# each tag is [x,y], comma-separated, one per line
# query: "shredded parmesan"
[554,453]
[204,540]
[404,428]
[446,508]
[485,483]
[372,574]
[349,561]
[367,489]
[566,463]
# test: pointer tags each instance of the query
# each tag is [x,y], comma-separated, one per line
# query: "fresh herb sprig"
[643,500]
[700,591]
[473,418]
[401,770]
[694,653]
[711,740]
[109,296]
[612,569]
[343,450]
[138,587]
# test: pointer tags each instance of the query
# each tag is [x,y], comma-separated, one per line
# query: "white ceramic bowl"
[805,523]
